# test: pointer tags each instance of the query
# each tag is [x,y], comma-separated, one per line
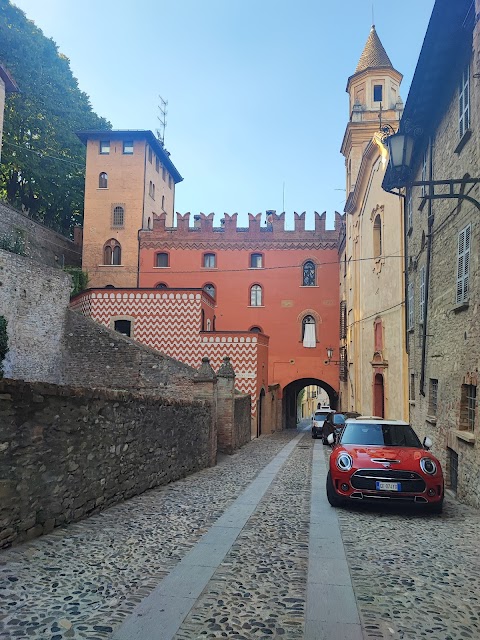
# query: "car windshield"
[321,415]
[390,435]
[338,418]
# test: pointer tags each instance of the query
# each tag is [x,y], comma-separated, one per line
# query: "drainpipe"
[427,278]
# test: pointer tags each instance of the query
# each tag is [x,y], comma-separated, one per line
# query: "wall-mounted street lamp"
[400,148]
[330,356]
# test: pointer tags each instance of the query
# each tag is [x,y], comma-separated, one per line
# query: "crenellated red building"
[264,279]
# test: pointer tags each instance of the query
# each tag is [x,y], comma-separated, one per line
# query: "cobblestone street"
[248,549]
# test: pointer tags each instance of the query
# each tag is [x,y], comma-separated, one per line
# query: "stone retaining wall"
[41,243]
[100,357]
[68,452]
[33,299]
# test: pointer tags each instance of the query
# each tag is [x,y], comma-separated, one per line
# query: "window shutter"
[410,309]
[343,319]
[422,295]
[463,264]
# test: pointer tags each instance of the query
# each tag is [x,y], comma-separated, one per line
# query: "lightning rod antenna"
[162,119]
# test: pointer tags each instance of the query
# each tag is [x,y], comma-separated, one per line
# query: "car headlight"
[428,466]
[344,462]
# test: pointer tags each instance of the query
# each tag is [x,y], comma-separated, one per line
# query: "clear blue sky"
[255,88]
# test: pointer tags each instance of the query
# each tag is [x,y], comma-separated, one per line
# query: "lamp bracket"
[451,184]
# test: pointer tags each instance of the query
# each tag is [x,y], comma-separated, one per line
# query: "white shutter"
[410,306]
[422,295]
[463,264]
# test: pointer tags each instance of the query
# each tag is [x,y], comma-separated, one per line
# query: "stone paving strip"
[258,591]
[415,575]
[331,612]
[83,580]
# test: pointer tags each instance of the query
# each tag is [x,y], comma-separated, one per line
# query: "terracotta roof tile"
[374,55]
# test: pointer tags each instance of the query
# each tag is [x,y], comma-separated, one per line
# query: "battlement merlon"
[273,229]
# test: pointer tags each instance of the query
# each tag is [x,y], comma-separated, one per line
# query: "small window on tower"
[377,93]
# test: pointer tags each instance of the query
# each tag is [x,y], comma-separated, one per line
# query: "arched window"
[377,237]
[256,296]
[118,216]
[256,330]
[161,260]
[153,191]
[161,285]
[256,260]
[209,324]
[112,252]
[309,274]
[103,181]
[163,203]
[149,223]
[210,289]
[309,337]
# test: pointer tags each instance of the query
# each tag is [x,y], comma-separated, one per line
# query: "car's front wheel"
[436,507]
[332,496]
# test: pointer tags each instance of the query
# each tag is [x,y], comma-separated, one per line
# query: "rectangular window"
[164,174]
[432,397]
[256,261]
[409,210]
[412,386]
[463,264]
[468,407]
[421,310]
[128,147]
[157,165]
[377,93]
[464,102]
[150,155]
[209,260]
[170,181]
[161,260]
[410,307]
[123,326]
[105,146]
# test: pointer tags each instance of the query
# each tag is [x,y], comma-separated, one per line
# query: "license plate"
[388,486]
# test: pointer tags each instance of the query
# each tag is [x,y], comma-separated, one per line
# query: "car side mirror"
[427,443]
[331,439]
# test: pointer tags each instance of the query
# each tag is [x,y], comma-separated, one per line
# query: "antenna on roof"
[162,119]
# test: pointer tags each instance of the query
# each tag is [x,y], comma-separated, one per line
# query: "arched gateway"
[290,398]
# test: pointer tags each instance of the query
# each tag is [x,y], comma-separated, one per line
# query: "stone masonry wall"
[69,452]
[453,331]
[99,357]
[33,299]
[42,244]
[241,420]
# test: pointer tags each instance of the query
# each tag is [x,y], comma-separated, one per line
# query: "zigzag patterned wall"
[170,322]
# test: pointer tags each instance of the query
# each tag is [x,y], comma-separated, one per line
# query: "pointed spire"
[374,55]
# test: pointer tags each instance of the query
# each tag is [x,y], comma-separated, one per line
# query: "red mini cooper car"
[377,459]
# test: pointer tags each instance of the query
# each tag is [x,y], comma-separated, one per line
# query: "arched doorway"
[260,410]
[290,398]
[379,396]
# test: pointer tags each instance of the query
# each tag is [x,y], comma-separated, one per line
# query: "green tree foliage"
[79,279]
[43,162]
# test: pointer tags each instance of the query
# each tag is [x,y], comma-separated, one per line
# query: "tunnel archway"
[290,398]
